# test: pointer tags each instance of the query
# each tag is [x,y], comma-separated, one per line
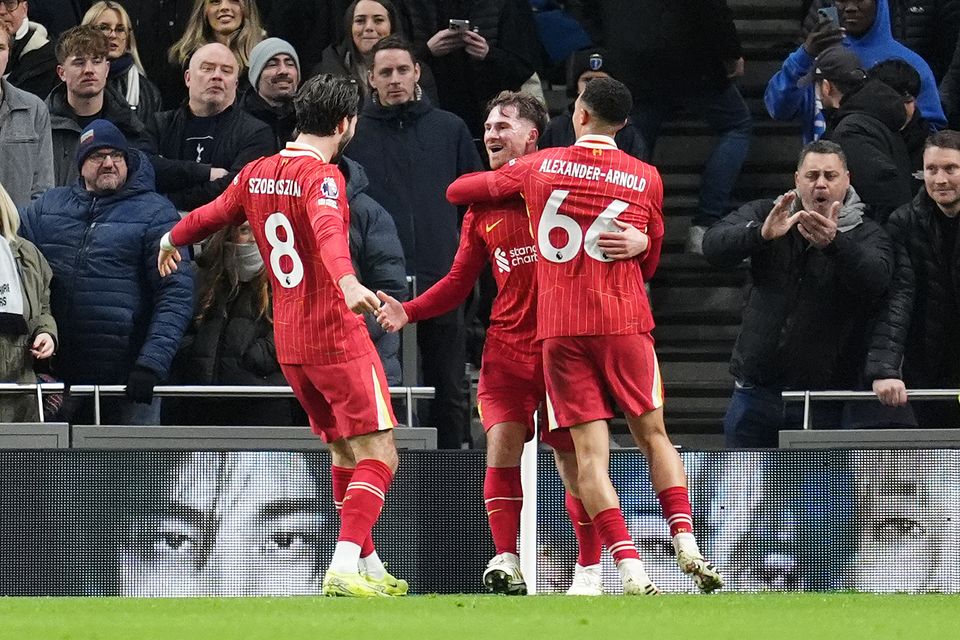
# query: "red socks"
[675,503]
[589,546]
[503,498]
[612,530]
[358,495]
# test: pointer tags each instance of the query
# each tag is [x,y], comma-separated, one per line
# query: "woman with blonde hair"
[27,329]
[127,76]
[234,23]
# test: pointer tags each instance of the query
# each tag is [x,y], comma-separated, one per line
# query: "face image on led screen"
[140,523]
[790,521]
[231,524]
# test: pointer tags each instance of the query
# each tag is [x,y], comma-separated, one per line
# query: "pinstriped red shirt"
[296,204]
[498,233]
[572,195]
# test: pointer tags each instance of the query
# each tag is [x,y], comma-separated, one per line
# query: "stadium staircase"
[698,308]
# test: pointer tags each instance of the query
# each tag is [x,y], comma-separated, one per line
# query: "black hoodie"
[867,126]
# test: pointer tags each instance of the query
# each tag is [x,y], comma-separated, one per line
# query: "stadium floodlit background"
[135,523]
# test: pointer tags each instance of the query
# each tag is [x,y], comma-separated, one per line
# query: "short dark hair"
[823,147]
[897,74]
[323,101]
[528,108]
[82,40]
[393,41]
[946,139]
[608,99]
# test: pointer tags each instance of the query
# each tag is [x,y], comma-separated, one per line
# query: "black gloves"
[140,385]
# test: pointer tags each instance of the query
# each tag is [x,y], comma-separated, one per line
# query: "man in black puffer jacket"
[916,338]
[865,118]
[818,265]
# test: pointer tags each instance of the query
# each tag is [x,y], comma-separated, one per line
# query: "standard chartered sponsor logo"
[503,264]
[516,257]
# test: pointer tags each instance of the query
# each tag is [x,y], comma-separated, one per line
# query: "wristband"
[165,243]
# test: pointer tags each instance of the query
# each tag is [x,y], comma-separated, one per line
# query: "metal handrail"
[200,391]
[859,396]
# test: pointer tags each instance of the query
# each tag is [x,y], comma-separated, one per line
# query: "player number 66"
[553,219]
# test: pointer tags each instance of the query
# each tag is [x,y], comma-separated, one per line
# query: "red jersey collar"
[301,149]
[596,141]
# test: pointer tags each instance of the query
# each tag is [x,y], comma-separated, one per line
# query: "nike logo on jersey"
[491,227]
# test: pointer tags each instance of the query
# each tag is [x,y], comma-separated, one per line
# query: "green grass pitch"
[844,616]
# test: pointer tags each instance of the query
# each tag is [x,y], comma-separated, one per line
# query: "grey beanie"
[262,53]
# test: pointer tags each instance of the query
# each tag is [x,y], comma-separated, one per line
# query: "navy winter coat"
[113,309]
[377,258]
[412,152]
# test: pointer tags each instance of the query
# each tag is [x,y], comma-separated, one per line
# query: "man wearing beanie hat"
[582,67]
[198,148]
[101,134]
[118,322]
[274,75]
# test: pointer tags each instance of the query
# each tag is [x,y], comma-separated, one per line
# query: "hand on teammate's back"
[358,298]
[627,243]
[391,315]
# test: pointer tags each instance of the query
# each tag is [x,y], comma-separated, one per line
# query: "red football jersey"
[572,194]
[296,204]
[498,233]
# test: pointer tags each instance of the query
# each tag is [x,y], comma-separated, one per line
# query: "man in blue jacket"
[119,321]
[412,151]
[864,26]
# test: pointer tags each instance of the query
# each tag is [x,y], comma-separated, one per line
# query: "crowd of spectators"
[114,116]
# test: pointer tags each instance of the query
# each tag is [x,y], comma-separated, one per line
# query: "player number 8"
[280,248]
[553,219]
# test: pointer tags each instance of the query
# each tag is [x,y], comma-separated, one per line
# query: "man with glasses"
[84,97]
[33,65]
[119,322]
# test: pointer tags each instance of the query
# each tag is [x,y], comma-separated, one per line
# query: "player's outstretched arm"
[391,315]
[168,257]
[358,297]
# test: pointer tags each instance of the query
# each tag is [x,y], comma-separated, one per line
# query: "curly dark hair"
[323,101]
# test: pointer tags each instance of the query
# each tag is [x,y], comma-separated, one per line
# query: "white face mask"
[248,260]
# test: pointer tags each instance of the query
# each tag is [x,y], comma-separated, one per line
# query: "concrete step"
[678,334]
[696,372]
[702,351]
[694,149]
[707,300]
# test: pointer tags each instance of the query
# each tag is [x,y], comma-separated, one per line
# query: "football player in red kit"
[295,202]
[511,380]
[594,318]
